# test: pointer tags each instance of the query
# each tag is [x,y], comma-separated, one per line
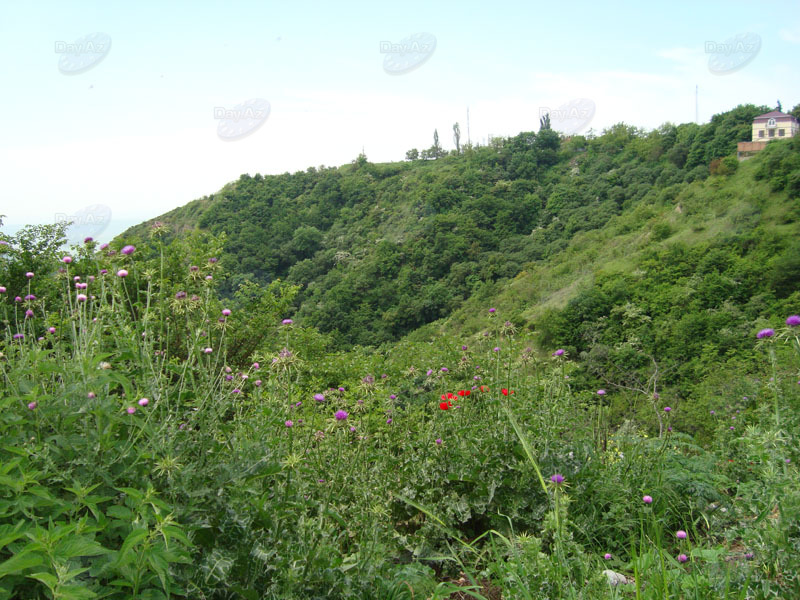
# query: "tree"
[436,148]
[457,137]
[412,154]
[544,122]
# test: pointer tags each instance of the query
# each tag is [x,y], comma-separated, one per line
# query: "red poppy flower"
[463,393]
[484,388]
[444,405]
[506,392]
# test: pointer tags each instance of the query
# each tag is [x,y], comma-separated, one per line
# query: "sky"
[117,112]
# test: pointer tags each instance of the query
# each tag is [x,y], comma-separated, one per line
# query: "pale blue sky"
[137,133]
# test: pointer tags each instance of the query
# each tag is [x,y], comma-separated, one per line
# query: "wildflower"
[667,409]
[122,273]
[732,427]
[496,349]
[749,555]
[557,478]
[257,383]
[209,278]
[559,352]
[88,240]
[19,336]
[2,289]
[29,274]
[352,429]
[194,268]
[793,321]
[256,366]
[51,329]
[607,556]
[66,259]
[180,295]
[226,312]
[17,299]
[82,298]
[30,297]
[438,441]
[341,415]
[484,388]
[28,313]
[765,333]
[492,310]
[341,389]
[287,322]
[208,350]
[601,392]
[319,397]
[103,246]
[463,347]
[392,397]
[506,392]
[647,499]
[429,373]
[444,405]
[32,405]
[288,423]
[131,410]
[212,260]
[103,271]
[369,380]
[236,391]
[444,369]
[680,534]
[144,402]
[389,421]
[128,250]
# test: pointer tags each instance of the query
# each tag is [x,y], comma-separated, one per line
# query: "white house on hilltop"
[773,125]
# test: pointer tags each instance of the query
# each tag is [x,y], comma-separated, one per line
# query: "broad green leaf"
[20,562]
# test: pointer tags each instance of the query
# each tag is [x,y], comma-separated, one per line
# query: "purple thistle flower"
[438,441]
[66,259]
[88,240]
[389,421]
[287,322]
[104,245]
[128,250]
[559,352]
[445,370]
[341,389]
[352,429]
[601,392]
[793,321]
[103,271]
[319,397]
[82,298]
[257,383]
[667,409]
[52,329]
[28,313]
[32,405]
[607,556]
[208,350]
[194,268]
[682,558]
[17,299]
[392,397]
[341,415]
[557,478]
[29,274]
[226,312]
[749,555]
[144,402]
[212,260]
[288,423]
[680,534]
[647,499]
[2,289]
[19,336]
[430,372]
[765,333]
[463,347]
[122,273]
[491,310]
[496,349]
[30,297]
[236,391]
[131,410]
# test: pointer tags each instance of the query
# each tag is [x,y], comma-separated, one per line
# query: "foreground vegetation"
[161,440]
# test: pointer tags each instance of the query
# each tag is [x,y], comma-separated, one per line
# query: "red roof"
[775,114]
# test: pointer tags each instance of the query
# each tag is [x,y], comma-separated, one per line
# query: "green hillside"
[630,248]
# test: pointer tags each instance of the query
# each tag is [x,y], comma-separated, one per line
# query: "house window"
[771,133]
[781,132]
[760,133]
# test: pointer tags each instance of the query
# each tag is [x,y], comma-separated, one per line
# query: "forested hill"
[382,249]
